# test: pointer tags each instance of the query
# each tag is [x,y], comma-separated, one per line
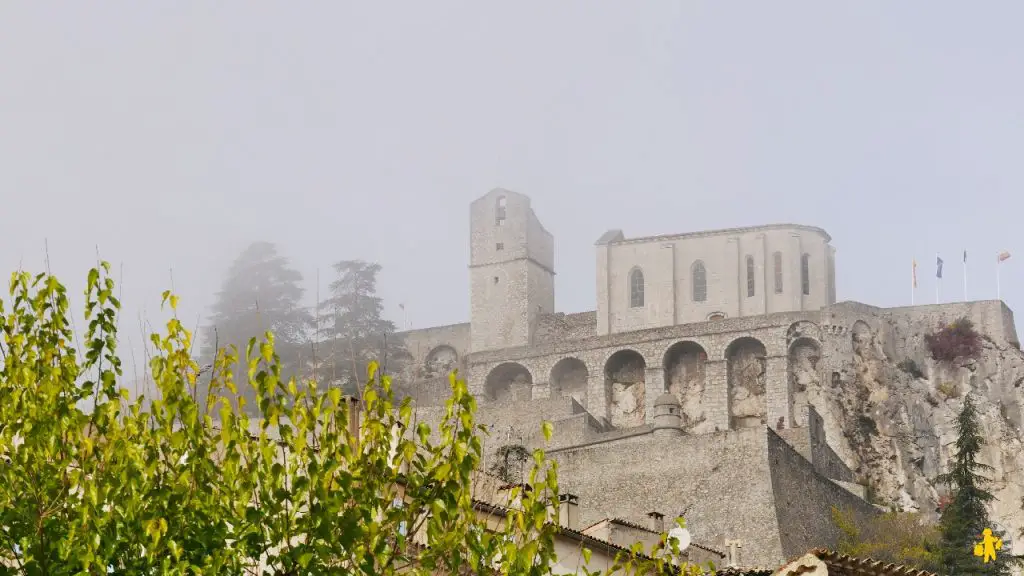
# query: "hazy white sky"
[171,134]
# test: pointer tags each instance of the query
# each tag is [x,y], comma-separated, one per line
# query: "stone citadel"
[718,378]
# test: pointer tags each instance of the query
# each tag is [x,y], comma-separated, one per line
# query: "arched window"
[499,211]
[777,257]
[700,282]
[750,276]
[805,273]
[636,288]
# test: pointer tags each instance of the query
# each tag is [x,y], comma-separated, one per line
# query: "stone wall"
[420,343]
[824,459]
[990,317]
[521,425]
[719,482]
[690,277]
[811,443]
[748,485]
[561,326]
[803,500]
[688,360]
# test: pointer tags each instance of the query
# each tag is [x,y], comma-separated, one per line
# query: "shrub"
[897,537]
[179,486]
[867,425]
[955,342]
[947,389]
[910,367]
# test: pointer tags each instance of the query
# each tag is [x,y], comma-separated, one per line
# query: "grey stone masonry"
[736,330]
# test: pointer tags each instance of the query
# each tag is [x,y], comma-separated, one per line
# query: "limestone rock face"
[746,375]
[890,413]
[627,404]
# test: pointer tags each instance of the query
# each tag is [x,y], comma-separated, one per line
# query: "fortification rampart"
[803,499]
[729,485]
[727,374]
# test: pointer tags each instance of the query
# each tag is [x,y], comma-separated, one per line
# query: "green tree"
[965,517]
[184,487]
[260,293]
[352,330]
[896,537]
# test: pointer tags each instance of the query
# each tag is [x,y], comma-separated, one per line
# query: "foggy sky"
[171,134]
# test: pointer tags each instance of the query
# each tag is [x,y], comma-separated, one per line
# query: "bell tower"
[511,270]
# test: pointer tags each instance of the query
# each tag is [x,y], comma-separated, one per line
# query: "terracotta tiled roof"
[624,522]
[736,571]
[837,564]
[843,565]
[574,534]
[636,526]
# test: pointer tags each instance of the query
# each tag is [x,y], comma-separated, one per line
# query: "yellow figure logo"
[988,546]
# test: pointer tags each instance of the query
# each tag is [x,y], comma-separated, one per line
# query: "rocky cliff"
[890,412]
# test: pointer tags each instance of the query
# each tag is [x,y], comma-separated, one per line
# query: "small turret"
[668,416]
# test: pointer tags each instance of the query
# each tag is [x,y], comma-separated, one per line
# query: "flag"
[1003,256]
[402,306]
[938,267]
[915,272]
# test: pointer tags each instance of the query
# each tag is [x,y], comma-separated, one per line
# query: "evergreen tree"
[260,293]
[966,516]
[352,330]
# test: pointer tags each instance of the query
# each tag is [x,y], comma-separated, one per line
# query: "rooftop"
[617,237]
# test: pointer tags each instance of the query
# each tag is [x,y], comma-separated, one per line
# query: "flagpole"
[965,276]
[999,292]
[938,280]
[405,316]
[913,280]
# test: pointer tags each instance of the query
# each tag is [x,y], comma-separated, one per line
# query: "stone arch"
[860,336]
[569,378]
[746,363]
[803,376]
[624,376]
[802,329]
[508,381]
[868,361]
[441,361]
[685,366]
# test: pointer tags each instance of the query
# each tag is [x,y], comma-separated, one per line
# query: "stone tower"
[668,416]
[511,270]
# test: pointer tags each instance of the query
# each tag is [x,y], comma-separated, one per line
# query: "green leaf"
[548,430]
